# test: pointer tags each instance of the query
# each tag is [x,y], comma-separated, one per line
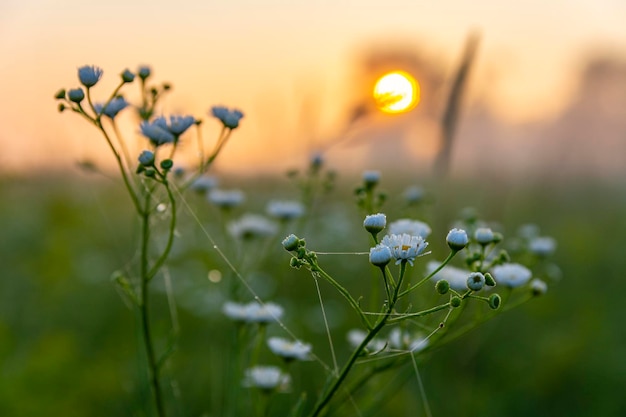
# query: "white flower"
[403,340]
[456,277]
[405,247]
[538,287]
[263,313]
[266,378]
[371,177]
[252,225]
[235,311]
[484,235]
[475,281]
[285,210]
[380,255]
[356,337]
[289,350]
[511,275]
[410,227]
[204,183]
[414,194]
[457,239]
[542,246]
[375,223]
[226,198]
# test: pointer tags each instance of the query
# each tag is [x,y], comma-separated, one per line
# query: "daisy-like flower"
[179,124]
[235,311]
[263,313]
[251,226]
[111,110]
[267,378]
[405,247]
[357,336]
[410,227]
[156,132]
[229,118]
[289,350]
[226,199]
[542,246]
[511,275]
[204,183]
[404,340]
[456,277]
[285,210]
[89,75]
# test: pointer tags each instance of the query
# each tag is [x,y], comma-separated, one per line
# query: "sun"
[396,92]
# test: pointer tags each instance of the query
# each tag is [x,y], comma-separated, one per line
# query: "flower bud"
[457,239]
[291,242]
[127,76]
[380,255]
[455,301]
[476,281]
[61,107]
[489,281]
[146,158]
[371,178]
[144,72]
[442,286]
[150,172]
[76,95]
[296,263]
[167,164]
[375,223]
[89,75]
[484,235]
[538,287]
[494,301]
[60,95]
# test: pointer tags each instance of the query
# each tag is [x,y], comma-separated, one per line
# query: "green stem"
[170,237]
[429,276]
[144,309]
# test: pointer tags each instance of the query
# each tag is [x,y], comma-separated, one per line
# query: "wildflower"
[267,378]
[414,194]
[405,247]
[76,95]
[226,199]
[317,160]
[291,242]
[538,287]
[511,275]
[144,72]
[251,226]
[229,118]
[475,281]
[179,124]
[146,158]
[156,133]
[375,223]
[542,246]
[115,106]
[402,339]
[89,75]
[456,277]
[235,311]
[285,210]
[410,227]
[263,313]
[380,255]
[484,235]
[357,336]
[127,76]
[289,350]
[371,178]
[203,183]
[457,239]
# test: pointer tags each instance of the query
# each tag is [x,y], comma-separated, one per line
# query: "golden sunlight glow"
[396,92]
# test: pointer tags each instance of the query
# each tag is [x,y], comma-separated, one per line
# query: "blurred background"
[540,136]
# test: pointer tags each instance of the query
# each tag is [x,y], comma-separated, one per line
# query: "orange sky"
[265,56]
